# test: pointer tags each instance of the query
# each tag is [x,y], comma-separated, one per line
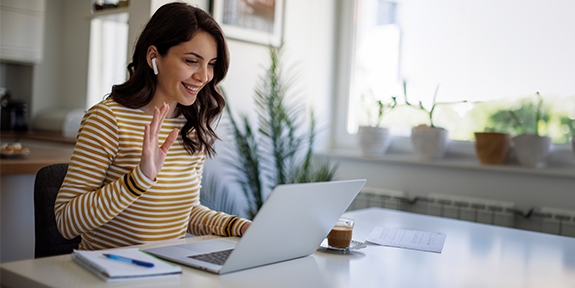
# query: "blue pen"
[133,261]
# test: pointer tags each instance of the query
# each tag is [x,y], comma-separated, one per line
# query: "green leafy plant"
[276,151]
[370,103]
[429,112]
[526,118]
[434,104]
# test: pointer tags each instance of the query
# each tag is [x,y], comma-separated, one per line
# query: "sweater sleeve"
[205,221]
[84,201]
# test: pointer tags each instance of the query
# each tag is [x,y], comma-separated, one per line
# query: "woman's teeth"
[191,88]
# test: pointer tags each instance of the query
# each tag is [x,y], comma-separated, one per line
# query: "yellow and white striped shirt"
[107,199]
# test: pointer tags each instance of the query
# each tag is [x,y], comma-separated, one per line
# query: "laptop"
[292,223]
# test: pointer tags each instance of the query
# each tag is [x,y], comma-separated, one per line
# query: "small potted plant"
[374,140]
[493,144]
[532,149]
[492,147]
[429,141]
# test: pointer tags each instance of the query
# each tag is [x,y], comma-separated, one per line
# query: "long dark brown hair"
[171,25]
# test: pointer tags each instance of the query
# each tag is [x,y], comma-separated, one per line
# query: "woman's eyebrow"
[200,56]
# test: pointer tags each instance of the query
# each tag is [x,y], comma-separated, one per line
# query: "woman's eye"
[191,61]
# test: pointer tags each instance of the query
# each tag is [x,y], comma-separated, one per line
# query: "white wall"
[309,55]
[49,74]
[60,80]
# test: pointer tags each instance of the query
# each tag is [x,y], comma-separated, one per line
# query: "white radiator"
[472,209]
[558,221]
[375,197]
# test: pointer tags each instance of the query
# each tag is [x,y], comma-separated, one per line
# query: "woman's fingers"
[169,141]
[158,119]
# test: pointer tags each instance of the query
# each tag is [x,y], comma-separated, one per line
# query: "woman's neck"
[172,113]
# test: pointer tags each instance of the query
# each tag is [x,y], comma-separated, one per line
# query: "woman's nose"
[201,75]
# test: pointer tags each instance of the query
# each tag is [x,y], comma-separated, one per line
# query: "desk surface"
[474,255]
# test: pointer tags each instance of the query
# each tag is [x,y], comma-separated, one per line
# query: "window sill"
[461,155]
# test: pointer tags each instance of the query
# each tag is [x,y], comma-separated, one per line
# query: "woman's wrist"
[244,228]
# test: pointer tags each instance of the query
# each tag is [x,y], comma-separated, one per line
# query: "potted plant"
[374,140]
[429,142]
[276,150]
[532,149]
[491,147]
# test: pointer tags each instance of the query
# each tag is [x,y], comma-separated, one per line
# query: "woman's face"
[186,69]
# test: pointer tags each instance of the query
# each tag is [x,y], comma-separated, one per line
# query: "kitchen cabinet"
[21,31]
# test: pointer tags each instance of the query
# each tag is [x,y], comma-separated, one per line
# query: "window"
[108,55]
[494,54]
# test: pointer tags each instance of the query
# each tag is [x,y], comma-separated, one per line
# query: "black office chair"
[49,241]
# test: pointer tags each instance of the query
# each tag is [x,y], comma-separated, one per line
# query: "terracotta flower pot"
[492,147]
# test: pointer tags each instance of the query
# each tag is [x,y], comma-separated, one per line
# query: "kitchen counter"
[44,150]
[17,189]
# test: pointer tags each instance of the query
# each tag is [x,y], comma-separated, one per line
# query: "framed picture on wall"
[256,21]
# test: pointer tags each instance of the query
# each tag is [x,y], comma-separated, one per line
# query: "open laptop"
[292,223]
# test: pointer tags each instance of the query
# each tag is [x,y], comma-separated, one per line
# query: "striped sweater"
[107,199]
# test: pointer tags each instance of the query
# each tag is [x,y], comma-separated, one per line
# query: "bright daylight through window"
[108,55]
[485,62]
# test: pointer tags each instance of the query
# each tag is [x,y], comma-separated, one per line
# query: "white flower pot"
[373,141]
[429,142]
[532,150]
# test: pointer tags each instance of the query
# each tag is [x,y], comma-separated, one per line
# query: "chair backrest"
[49,241]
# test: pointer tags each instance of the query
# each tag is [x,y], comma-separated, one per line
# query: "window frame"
[343,141]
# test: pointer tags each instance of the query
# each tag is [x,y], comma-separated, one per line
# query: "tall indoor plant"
[276,150]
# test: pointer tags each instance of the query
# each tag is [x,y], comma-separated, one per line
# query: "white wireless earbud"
[155,66]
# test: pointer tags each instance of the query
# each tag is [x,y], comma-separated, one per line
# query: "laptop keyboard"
[218,257]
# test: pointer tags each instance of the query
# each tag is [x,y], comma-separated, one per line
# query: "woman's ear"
[151,58]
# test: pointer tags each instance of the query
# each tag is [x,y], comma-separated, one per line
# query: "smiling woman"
[479,51]
[132,177]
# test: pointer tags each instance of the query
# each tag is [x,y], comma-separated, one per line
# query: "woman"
[134,176]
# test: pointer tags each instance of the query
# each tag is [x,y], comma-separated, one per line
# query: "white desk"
[474,255]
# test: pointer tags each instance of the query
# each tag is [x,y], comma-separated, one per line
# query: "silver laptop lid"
[292,223]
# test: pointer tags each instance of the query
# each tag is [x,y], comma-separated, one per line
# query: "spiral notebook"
[113,270]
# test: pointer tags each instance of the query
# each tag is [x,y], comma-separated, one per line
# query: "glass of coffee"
[340,235]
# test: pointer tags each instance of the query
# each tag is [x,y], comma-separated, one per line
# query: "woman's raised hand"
[153,155]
